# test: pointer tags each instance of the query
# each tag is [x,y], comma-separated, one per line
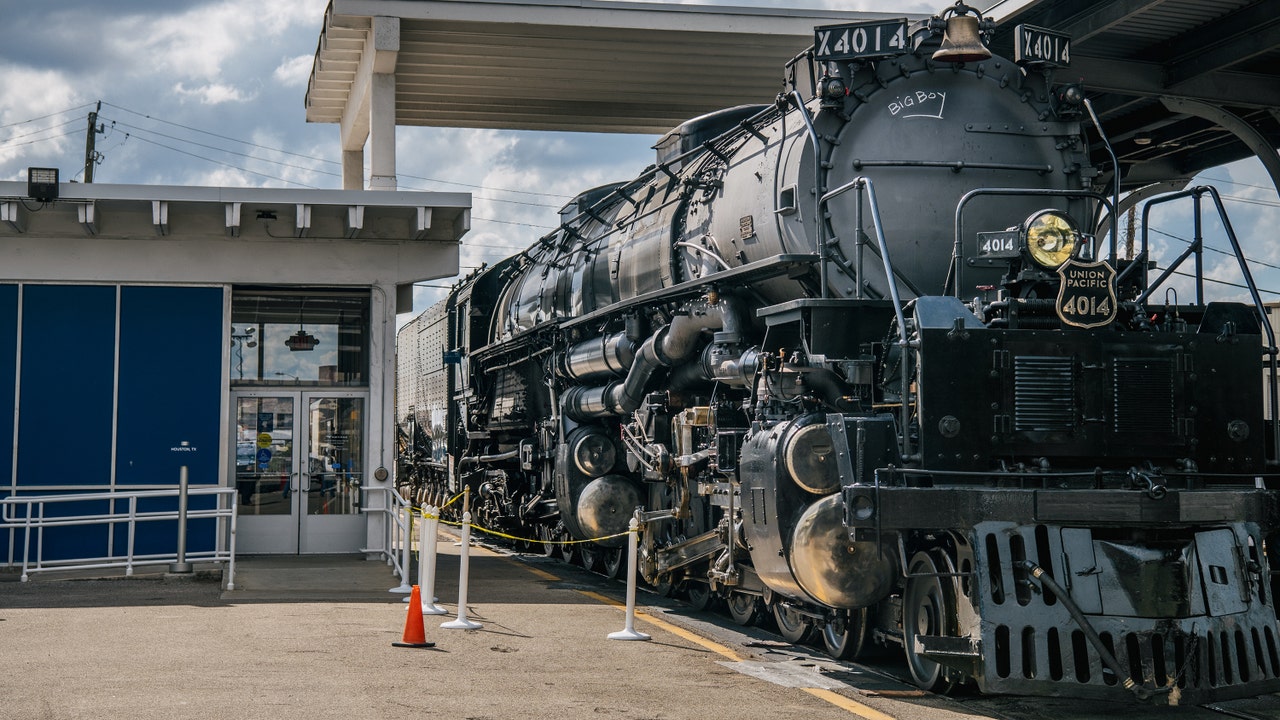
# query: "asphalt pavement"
[311,637]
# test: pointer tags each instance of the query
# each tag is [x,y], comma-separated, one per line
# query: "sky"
[211,92]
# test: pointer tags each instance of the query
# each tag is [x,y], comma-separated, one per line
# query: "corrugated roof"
[639,67]
[1138,57]
[564,64]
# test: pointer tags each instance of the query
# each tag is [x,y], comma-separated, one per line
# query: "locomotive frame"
[954,426]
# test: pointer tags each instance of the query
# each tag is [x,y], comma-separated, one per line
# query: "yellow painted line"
[834,698]
[849,704]
[540,572]
[694,638]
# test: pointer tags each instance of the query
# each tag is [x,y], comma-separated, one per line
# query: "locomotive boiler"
[860,358]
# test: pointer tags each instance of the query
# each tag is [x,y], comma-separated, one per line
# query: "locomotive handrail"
[953,274]
[739,276]
[904,341]
[820,241]
[1197,247]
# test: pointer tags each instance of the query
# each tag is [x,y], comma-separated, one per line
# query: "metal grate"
[1143,395]
[1212,660]
[1044,393]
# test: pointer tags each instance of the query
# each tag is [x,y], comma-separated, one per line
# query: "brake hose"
[1046,581]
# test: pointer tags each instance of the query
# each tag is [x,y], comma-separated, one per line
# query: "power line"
[135,129]
[331,162]
[40,140]
[42,117]
[225,164]
[1223,282]
[1214,249]
[8,141]
[1236,182]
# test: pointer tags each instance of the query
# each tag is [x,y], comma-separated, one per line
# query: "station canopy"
[1179,85]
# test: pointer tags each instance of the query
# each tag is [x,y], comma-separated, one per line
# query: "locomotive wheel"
[792,626]
[592,556]
[928,608]
[845,637]
[549,546]
[569,551]
[614,561]
[698,594]
[745,609]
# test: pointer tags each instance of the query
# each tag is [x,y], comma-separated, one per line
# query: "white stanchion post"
[633,542]
[462,623]
[406,539]
[427,563]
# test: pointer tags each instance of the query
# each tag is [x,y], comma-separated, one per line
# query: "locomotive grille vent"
[1044,393]
[1143,390]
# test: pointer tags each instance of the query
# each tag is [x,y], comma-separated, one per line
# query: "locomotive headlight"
[1051,238]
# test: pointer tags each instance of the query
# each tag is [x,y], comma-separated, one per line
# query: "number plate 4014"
[1038,46]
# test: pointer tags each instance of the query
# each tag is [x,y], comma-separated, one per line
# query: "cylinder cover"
[605,507]
[833,568]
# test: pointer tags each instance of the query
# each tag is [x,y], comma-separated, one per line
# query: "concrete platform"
[311,637]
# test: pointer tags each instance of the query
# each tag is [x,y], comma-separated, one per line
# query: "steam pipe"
[671,344]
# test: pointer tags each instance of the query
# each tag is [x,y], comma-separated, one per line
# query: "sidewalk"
[311,638]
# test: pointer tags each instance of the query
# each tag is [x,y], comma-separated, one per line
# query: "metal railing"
[397,536]
[28,516]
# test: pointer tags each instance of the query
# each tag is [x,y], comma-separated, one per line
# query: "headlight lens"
[1051,238]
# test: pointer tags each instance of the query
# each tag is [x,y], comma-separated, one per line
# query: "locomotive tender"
[861,359]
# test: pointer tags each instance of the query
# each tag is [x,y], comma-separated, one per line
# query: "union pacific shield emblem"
[1087,294]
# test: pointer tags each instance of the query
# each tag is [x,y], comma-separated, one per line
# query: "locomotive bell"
[961,41]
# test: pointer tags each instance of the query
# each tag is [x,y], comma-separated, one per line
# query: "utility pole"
[1132,230]
[92,156]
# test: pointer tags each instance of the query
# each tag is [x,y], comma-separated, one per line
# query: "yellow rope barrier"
[422,511]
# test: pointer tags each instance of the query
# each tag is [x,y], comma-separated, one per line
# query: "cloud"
[213,93]
[37,125]
[294,71]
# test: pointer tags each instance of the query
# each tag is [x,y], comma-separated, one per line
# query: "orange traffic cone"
[415,634]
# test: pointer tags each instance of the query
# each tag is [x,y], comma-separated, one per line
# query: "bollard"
[427,562]
[406,541]
[462,623]
[633,542]
[182,566]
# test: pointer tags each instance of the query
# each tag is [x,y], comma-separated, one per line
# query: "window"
[299,337]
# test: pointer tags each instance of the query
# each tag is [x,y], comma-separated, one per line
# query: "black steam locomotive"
[862,359]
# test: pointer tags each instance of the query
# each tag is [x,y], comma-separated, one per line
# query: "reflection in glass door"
[334,473]
[266,474]
[299,470]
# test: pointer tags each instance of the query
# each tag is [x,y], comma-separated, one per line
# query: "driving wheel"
[792,626]
[845,636]
[613,562]
[744,608]
[928,608]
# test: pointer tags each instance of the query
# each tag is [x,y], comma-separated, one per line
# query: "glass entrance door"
[299,467]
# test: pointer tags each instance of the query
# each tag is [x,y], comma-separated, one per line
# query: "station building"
[247,334]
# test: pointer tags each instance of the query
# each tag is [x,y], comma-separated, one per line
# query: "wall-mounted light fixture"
[42,183]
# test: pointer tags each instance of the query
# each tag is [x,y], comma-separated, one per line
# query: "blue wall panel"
[68,362]
[8,368]
[171,355]
[8,371]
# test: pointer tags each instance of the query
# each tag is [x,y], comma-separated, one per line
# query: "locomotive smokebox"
[832,567]
[605,507]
